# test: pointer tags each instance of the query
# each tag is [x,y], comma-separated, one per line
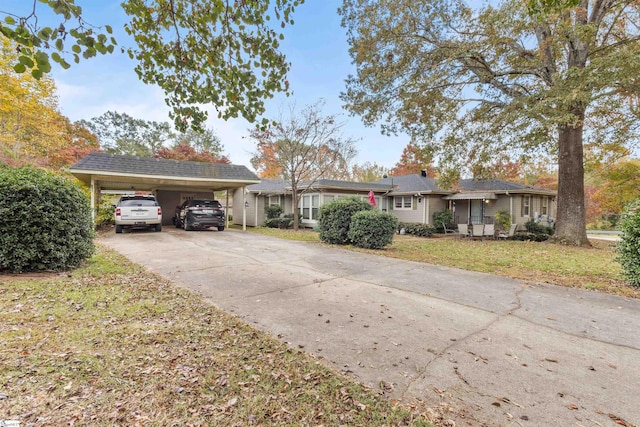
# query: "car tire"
[221,228]
[176,222]
[187,227]
[158,227]
[118,229]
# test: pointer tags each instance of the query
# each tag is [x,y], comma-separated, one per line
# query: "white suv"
[138,211]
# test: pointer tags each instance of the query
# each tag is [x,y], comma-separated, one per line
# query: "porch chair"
[463,230]
[508,235]
[477,231]
[447,230]
[490,231]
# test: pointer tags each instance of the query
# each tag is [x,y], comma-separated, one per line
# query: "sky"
[316,46]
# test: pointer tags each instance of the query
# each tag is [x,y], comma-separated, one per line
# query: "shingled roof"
[410,184]
[130,165]
[279,186]
[498,185]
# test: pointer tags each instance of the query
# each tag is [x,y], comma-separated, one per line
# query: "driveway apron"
[487,350]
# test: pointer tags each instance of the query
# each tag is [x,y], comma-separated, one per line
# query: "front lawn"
[111,344]
[588,268]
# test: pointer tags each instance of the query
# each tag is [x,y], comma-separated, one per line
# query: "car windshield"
[137,202]
[205,204]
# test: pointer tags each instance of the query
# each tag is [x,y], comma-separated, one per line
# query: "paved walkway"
[498,351]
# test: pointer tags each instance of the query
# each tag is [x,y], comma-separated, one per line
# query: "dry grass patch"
[113,345]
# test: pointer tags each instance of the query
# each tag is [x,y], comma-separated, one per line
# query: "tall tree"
[119,133]
[505,77]
[30,126]
[413,160]
[306,145]
[368,172]
[200,52]
[195,146]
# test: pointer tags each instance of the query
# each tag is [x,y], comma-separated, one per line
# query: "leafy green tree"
[368,172]
[119,133]
[200,52]
[38,44]
[508,77]
[305,146]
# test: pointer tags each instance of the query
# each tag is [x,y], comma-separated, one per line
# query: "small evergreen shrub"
[283,222]
[442,217]
[528,236]
[372,229]
[274,211]
[417,229]
[628,249]
[334,219]
[272,222]
[106,212]
[45,222]
[503,220]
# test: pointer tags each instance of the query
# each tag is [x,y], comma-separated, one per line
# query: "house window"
[309,206]
[274,200]
[403,202]
[544,207]
[315,203]
[526,206]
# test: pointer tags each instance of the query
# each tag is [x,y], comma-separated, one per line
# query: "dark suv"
[199,213]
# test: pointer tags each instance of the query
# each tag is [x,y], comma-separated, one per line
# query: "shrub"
[46,222]
[334,219]
[628,249]
[442,217]
[503,219]
[372,229]
[106,212]
[272,222]
[534,237]
[417,229]
[274,211]
[284,222]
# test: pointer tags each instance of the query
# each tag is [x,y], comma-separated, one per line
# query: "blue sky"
[316,46]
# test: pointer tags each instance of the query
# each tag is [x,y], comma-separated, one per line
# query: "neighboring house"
[411,198]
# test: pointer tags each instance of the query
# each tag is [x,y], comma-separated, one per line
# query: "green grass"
[111,344]
[589,268]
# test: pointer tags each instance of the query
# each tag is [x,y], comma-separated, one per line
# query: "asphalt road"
[497,351]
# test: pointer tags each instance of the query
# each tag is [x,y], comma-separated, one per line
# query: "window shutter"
[414,206]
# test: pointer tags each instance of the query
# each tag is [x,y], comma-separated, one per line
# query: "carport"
[103,171]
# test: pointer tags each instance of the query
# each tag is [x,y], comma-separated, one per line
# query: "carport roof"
[120,172]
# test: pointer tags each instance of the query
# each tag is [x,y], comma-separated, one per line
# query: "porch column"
[513,221]
[427,207]
[93,199]
[244,208]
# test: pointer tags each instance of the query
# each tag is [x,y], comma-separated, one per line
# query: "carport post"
[244,208]
[226,207]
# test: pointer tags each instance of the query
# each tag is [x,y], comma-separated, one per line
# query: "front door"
[477,212]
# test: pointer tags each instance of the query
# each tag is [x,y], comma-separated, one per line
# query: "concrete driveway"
[497,351]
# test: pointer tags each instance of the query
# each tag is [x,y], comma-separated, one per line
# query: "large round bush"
[334,219]
[372,229]
[628,248]
[45,222]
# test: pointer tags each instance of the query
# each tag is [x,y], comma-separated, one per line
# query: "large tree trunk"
[295,202]
[571,214]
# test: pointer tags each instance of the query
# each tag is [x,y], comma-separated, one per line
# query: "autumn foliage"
[184,151]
